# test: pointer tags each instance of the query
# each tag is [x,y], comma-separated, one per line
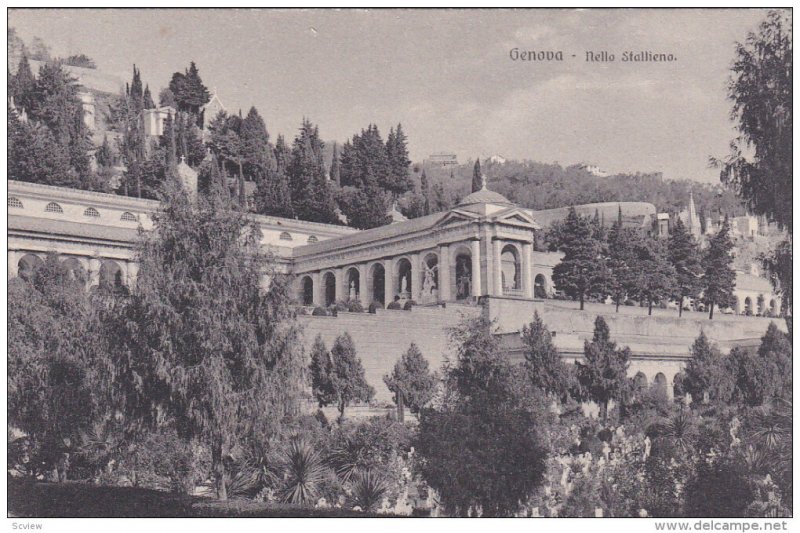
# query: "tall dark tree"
[272,195]
[481,448]
[707,374]
[188,89]
[221,356]
[147,98]
[256,147]
[312,197]
[684,255]
[602,374]
[654,281]
[397,153]
[477,176]
[581,272]
[342,382]
[22,85]
[35,156]
[622,260]
[335,174]
[761,91]
[412,382]
[546,369]
[719,278]
[425,191]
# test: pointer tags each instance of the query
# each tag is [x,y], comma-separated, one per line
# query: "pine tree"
[412,382]
[347,380]
[312,198]
[622,260]
[684,255]
[22,85]
[477,177]
[189,91]
[256,148]
[35,156]
[654,280]
[603,372]
[366,175]
[147,99]
[581,272]
[221,360]
[397,153]
[719,278]
[426,193]
[321,368]
[335,174]
[545,367]
[707,374]
[272,195]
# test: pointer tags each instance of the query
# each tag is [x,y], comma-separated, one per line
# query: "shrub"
[373,307]
[395,306]
[409,304]
[303,472]
[354,306]
[320,311]
[340,305]
[367,490]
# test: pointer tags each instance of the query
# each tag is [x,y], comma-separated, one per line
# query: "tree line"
[626,264]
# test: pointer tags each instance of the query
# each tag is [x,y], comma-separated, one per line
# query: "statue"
[403,284]
[353,295]
[429,283]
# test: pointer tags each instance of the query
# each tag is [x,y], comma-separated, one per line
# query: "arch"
[91,212]
[377,278]
[760,304]
[53,207]
[307,290]
[329,284]
[737,305]
[111,275]
[640,380]
[430,278]
[463,278]
[540,286]
[660,382]
[773,307]
[402,286]
[353,288]
[14,202]
[128,217]
[748,306]
[312,239]
[75,269]
[28,264]
[285,236]
[677,385]
[510,270]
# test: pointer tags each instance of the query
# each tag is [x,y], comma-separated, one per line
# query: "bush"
[320,311]
[340,305]
[354,306]
[395,306]
[409,304]
[373,307]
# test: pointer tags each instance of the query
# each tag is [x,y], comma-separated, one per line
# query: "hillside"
[549,185]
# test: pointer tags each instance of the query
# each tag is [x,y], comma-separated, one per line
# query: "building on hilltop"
[441,159]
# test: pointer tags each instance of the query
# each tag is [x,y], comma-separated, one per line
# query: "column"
[94,272]
[133,273]
[497,268]
[416,279]
[444,273]
[475,250]
[388,280]
[527,260]
[342,290]
[362,285]
[316,282]
[13,264]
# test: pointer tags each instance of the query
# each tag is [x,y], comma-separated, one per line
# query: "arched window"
[307,291]
[463,276]
[27,265]
[285,236]
[128,217]
[353,278]
[403,287]
[91,212]
[330,288]
[15,203]
[311,239]
[660,382]
[53,207]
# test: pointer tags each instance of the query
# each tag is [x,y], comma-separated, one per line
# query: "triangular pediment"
[516,216]
[455,216]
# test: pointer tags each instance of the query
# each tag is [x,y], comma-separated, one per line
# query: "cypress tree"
[477,177]
[335,173]
[22,84]
[312,198]
[272,195]
[397,152]
[719,278]
[655,276]
[581,272]
[255,145]
[147,99]
[603,372]
[684,255]
[426,193]
[622,260]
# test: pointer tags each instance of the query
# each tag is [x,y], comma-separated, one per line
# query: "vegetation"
[411,382]
[337,377]
[719,279]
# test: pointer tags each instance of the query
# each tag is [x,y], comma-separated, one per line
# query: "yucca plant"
[303,472]
[679,432]
[367,490]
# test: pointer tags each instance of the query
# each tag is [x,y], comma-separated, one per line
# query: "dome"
[485,196]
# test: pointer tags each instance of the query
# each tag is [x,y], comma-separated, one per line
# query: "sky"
[446,75]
